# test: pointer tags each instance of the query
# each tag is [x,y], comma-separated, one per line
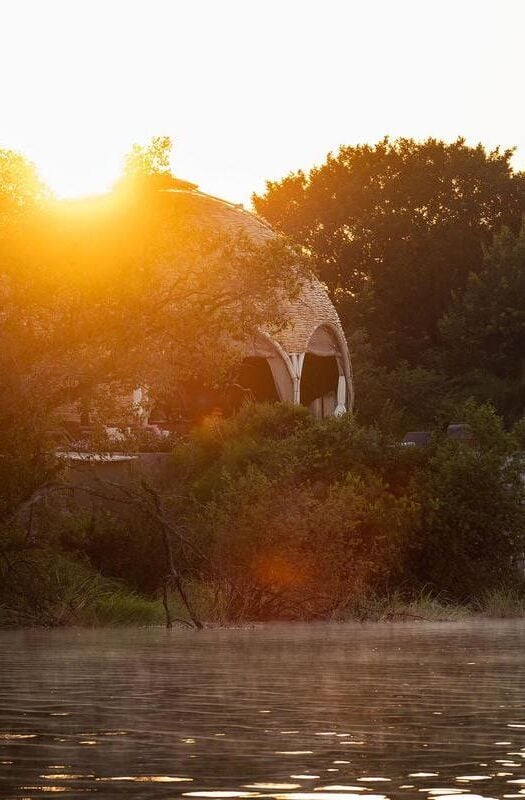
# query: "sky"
[250,90]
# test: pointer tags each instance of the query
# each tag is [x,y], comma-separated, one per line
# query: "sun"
[79,182]
[71,176]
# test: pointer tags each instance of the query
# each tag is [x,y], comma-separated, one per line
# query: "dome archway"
[308,360]
[325,381]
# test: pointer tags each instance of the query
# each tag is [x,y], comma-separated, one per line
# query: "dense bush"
[472,535]
[122,546]
[298,518]
[281,548]
[283,517]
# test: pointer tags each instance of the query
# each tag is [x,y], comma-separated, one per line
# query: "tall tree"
[484,330]
[103,295]
[396,228]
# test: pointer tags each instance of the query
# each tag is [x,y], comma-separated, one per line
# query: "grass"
[52,590]
[396,608]
[122,607]
[501,603]
[81,596]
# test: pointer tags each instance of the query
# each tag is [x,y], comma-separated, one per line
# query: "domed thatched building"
[308,361]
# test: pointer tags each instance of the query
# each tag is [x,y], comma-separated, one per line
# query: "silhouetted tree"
[484,329]
[396,228]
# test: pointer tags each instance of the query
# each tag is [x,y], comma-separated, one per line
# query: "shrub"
[472,534]
[285,517]
[282,548]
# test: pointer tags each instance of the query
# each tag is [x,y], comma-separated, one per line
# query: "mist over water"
[303,712]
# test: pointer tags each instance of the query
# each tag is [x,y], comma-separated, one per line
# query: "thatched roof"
[310,310]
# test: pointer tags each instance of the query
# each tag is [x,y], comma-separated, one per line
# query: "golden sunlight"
[70,176]
[105,75]
[232,565]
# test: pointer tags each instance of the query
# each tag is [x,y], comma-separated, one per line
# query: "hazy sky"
[251,89]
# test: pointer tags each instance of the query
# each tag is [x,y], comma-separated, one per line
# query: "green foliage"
[120,545]
[401,398]
[147,168]
[296,550]
[502,602]
[123,607]
[293,516]
[402,233]
[290,518]
[305,524]
[265,421]
[151,159]
[484,329]
[92,292]
[472,535]
[396,228]
[259,435]
[20,185]
[46,587]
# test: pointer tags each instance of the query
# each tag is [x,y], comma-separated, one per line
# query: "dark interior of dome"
[254,382]
[319,377]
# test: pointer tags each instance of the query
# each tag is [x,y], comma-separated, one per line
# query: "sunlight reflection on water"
[265,712]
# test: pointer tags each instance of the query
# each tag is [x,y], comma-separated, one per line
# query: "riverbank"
[104,606]
[495,604]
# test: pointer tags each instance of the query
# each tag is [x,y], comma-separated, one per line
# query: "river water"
[304,712]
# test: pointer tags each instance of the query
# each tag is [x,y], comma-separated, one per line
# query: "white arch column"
[340,408]
[297,360]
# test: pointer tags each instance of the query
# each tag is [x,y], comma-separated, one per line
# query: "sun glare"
[237,116]
[82,178]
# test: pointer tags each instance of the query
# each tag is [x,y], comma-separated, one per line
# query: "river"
[304,712]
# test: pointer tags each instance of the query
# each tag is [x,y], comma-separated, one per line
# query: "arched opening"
[319,381]
[254,382]
[324,388]
[267,371]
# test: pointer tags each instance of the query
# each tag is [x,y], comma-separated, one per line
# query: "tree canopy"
[483,331]
[104,294]
[396,228]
